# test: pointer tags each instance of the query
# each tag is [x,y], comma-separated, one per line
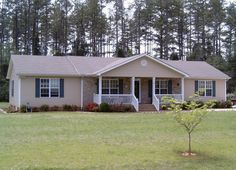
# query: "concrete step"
[147,108]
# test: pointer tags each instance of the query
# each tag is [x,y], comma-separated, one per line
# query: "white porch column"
[132,86]
[100,90]
[182,88]
[153,87]
[81,93]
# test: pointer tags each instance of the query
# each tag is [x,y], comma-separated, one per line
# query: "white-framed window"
[12,88]
[205,87]
[110,86]
[161,87]
[49,87]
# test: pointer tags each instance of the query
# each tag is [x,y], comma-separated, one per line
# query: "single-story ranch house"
[135,80]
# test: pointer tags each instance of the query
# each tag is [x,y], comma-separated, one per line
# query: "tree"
[190,119]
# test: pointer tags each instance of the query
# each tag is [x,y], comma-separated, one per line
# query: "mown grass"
[67,140]
[4,105]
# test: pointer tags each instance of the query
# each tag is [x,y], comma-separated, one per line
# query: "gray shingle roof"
[89,66]
[197,69]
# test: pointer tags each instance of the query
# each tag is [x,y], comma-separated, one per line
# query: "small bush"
[67,107]
[184,105]
[35,109]
[55,108]
[104,107]
[226,104]
[200,104]
[23,108]
[117,108]
[121,108]
[44,108]
[74,108]
[91,107]
[164,107]
[11,109]
[129,108]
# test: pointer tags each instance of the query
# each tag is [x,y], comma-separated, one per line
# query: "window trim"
[159,81]
[109,85]
[49,88]
[205,88]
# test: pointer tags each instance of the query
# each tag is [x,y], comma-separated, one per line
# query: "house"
[135,80]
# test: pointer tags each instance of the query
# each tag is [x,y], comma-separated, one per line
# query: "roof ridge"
[67,57]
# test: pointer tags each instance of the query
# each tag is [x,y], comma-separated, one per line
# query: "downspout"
[81,93]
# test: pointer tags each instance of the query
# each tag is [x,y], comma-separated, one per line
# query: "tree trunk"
[189,144]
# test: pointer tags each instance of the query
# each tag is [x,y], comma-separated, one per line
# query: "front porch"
[138,90]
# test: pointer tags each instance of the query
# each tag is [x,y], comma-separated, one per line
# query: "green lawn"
[4,105]
[114,141]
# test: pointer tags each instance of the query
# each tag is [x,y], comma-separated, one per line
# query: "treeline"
[169,29]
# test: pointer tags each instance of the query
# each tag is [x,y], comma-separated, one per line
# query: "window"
[161,87]
[49,87]
[205,87]
[110,86]
[55,86]
[12,88]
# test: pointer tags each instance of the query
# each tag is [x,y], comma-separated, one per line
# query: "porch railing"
[177,97]
[96,98]
[135,103]
[114,98]
[156,102]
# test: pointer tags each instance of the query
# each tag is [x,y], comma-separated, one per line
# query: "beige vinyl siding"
[71,93]
[90,87]
[14,101]
[189,89]
[136,69]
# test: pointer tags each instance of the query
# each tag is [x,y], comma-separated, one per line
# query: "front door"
[137,89]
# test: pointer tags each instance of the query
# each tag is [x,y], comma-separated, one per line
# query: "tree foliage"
[168,29]
[190,119]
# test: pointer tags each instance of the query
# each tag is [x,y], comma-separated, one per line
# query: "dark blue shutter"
[120,86]
[97,83]
[37,87]
[214,88]
[170,87]
[149,88]
[61,88]
[196,86]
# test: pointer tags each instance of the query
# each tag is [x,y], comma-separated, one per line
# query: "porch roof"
[29,65]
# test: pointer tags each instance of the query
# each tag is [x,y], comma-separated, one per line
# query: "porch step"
[147,108]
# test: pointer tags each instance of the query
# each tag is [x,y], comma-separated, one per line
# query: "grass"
[4,105]
[67,140]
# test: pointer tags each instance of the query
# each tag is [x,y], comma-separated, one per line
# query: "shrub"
[11,109]
[55,108]
[104,107]
[35,109]
[227,104]
[67,107]
[199,103]
[44,108]
[117,108]
[91,107]
[184,105]
[74,107]
[23,108]
[95,109]
[164,107]
[129,108]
